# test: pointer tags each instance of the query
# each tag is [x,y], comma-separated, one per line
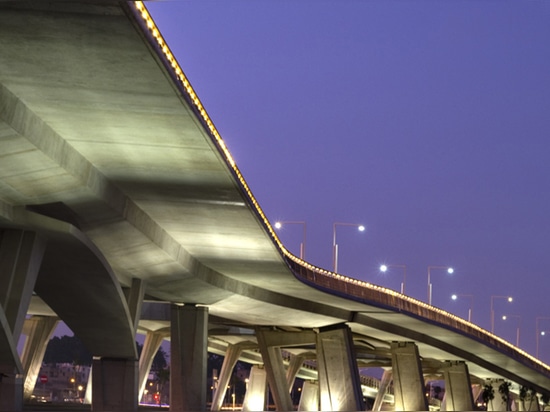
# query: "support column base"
[114,385]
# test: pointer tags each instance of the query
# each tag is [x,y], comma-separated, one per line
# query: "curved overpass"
[108,154]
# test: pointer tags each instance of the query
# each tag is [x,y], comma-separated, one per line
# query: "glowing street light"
[449,270]
[384,268]
[280,224]
[359,227]
[455,297]
[505,317]
[539,332]
[508,298]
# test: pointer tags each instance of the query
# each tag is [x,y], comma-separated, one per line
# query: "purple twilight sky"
[426,121]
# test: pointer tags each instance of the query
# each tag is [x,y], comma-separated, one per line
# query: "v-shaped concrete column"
[151,345]
[21,255]
[39,330]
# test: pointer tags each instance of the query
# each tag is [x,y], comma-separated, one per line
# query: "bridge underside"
[108,162]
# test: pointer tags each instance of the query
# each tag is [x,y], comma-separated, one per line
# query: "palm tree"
[488,394]
[504,390]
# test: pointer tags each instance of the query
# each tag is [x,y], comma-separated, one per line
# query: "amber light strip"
[148,20]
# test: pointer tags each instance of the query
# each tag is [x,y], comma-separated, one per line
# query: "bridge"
[123,212]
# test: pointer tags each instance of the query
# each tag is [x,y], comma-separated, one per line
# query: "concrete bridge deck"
[116,185]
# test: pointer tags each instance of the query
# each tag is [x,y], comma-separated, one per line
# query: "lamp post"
[455,297]
[279,225]
[359,227]
[384,268]
[508,298]
[539,333]
[505,317]
[449,270]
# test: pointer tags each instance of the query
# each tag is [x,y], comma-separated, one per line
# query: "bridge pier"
[188,358]
[254,399]
[151,345]
[382,390]
[270,347]
[458,388]
[39,330]
[309,400]
[21,254]
[229,361]
[408,382]
[339,384]
[114,385]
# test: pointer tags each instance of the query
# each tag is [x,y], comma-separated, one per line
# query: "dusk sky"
[426,121]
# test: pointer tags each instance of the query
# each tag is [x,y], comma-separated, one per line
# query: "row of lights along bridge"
[385,268]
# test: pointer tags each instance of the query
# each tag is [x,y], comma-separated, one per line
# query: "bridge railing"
[374,295]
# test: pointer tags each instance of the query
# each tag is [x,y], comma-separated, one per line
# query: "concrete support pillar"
[339,384]
[254,399]
[309,400]
[408,383]
[382,390]
[232,355]
[151,345]
[296,362]
[458,388]
[134,298]
[39,330]
[276,374]
[114,385]
[88,393]
[21,254]
[188,358]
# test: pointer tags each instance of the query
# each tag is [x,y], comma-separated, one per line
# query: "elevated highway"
[116,189]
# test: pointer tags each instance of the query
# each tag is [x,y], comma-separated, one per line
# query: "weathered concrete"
[188,358]
[408,383]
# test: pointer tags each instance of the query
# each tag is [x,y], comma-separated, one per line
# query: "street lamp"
[359,227]
[279,225]
[384,268]
[505,317]
[539,333]
[449,270]
[508,298]
[455,297]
